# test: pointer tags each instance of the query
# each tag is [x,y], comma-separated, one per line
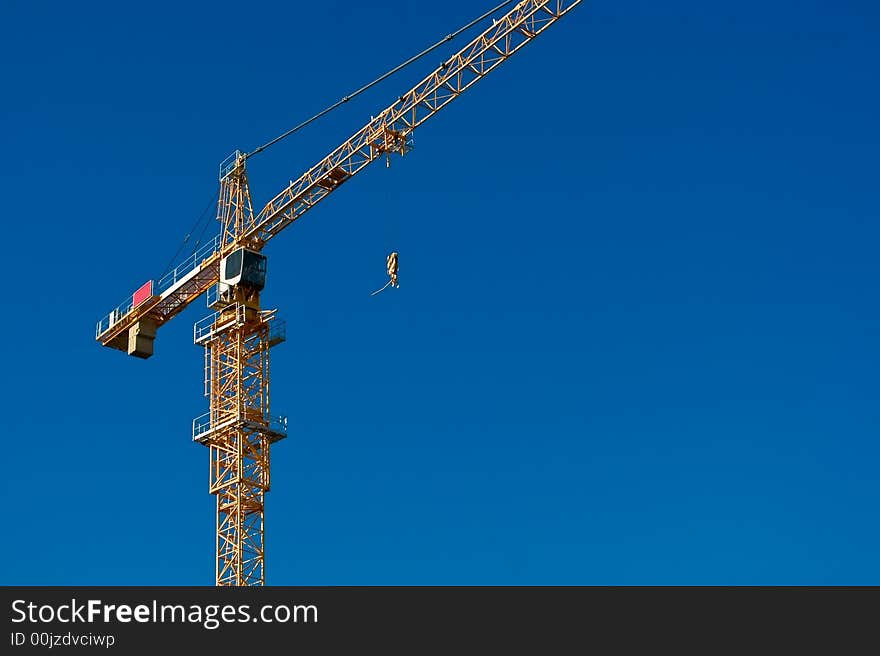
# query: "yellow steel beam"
[387,133]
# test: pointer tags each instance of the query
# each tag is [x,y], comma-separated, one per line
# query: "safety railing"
[204,327]
[212,295]
[188,265]
[278,424]
[165,283]
[277,332]
[116,314]
[202,425]
[228,164]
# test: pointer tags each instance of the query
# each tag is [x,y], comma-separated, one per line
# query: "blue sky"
[635,340]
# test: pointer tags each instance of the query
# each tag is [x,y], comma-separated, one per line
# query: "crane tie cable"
[345,99]
[189,234]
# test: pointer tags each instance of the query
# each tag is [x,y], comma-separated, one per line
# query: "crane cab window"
[232,265]
[244,267]
[253,270]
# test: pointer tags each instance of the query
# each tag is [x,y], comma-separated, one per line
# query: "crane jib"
[390,132]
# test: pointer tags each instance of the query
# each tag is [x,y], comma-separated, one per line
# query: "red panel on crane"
[142,294]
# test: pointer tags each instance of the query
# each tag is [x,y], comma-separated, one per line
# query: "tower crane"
[230,270]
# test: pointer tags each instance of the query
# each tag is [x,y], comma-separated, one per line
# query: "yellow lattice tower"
[231,270]
[239,436]
[239,428]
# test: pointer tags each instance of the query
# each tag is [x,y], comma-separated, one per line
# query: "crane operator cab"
[242,277]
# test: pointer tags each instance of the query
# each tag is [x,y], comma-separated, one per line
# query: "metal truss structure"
[387,133]
[239,429]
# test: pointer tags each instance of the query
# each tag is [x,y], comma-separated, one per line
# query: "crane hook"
[391,268]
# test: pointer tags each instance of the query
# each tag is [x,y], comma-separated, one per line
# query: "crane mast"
[239,427]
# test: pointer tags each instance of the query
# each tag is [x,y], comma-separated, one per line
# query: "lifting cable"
[345,99]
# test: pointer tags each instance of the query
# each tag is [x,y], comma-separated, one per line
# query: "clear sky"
[636,338]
